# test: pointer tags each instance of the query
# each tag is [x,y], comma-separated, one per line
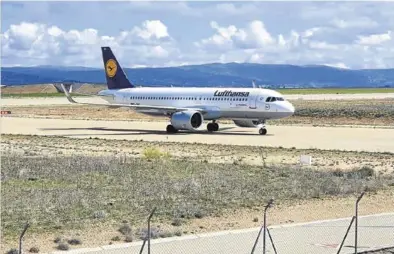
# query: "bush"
[63,246]
[129,238]
[366,171]
[125,229]
[154,153]
[199,214]
[154,233]
[115,238]
[34,250]
[74,241]
[57,239]
[177,222]
[166,234]
[13,251]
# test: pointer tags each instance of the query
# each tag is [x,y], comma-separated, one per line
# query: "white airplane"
[187,108]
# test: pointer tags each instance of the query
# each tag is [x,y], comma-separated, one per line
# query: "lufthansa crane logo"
[111,68]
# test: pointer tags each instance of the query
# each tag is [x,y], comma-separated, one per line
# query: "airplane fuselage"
[233,103]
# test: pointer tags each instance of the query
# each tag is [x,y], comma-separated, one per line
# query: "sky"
[355,35]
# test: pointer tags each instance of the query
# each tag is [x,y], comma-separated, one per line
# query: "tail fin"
[116,78]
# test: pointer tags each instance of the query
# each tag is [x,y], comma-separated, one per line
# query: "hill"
[215,74]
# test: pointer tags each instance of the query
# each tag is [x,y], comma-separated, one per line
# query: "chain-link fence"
[96,201]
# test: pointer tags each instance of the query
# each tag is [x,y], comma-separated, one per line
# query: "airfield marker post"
[149,232]
[21,237]
[356,222]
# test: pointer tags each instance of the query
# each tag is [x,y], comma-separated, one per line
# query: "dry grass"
[62,192]
[230,154]
[90,188]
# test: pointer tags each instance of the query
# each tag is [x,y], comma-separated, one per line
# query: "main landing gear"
[212,127]
[171,129]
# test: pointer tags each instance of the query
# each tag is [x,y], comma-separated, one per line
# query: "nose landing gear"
[262,131]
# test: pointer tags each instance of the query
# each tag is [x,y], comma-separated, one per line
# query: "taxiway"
[301,137]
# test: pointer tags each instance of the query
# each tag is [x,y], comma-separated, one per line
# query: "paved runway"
[64,101]
[342,138]
[324,237]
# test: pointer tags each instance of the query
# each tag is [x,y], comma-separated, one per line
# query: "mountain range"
[205,75]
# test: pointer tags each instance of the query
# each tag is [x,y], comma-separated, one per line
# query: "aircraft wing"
[161,108]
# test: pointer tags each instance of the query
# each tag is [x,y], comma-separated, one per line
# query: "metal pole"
[265,222]
[356,225]
[143,245]
[347,231]
[257,239]
[21,237]
[149,233]
[272,242]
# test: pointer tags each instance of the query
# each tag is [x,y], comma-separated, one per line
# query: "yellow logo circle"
[111,67]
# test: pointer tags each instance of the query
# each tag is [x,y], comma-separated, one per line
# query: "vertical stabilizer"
[116,78]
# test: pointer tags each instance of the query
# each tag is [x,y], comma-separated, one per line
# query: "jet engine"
[187,120]
[247,123]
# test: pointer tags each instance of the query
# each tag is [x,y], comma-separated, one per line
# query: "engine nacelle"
[247,123]
[187,120]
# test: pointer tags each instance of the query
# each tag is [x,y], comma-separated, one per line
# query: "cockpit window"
[272,99]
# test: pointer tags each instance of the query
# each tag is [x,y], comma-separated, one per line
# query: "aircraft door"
[252,101]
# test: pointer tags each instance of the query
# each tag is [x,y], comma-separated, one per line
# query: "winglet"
[69,98]
[253,84]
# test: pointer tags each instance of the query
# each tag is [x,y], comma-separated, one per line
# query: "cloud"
[375,39]
[45,44]
[316,45]
[255,35]
[351,34]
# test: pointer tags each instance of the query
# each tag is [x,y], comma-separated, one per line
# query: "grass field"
[60,191]
[91,188]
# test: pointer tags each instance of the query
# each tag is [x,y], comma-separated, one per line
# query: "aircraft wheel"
[263,131]
[171,129]
[216,127]
[211,127]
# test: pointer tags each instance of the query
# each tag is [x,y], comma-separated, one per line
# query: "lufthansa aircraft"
[187,108]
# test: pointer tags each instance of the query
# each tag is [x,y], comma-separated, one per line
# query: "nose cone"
[291,108]
[288,109]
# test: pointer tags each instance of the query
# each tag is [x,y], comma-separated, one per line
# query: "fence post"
[263,227]
[344,238]
[265,222]
[356,224]
[272,241]
[21,237]
[149,232]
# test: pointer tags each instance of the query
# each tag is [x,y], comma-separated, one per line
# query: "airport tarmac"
[302,137]
[64,101]
[323,237]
